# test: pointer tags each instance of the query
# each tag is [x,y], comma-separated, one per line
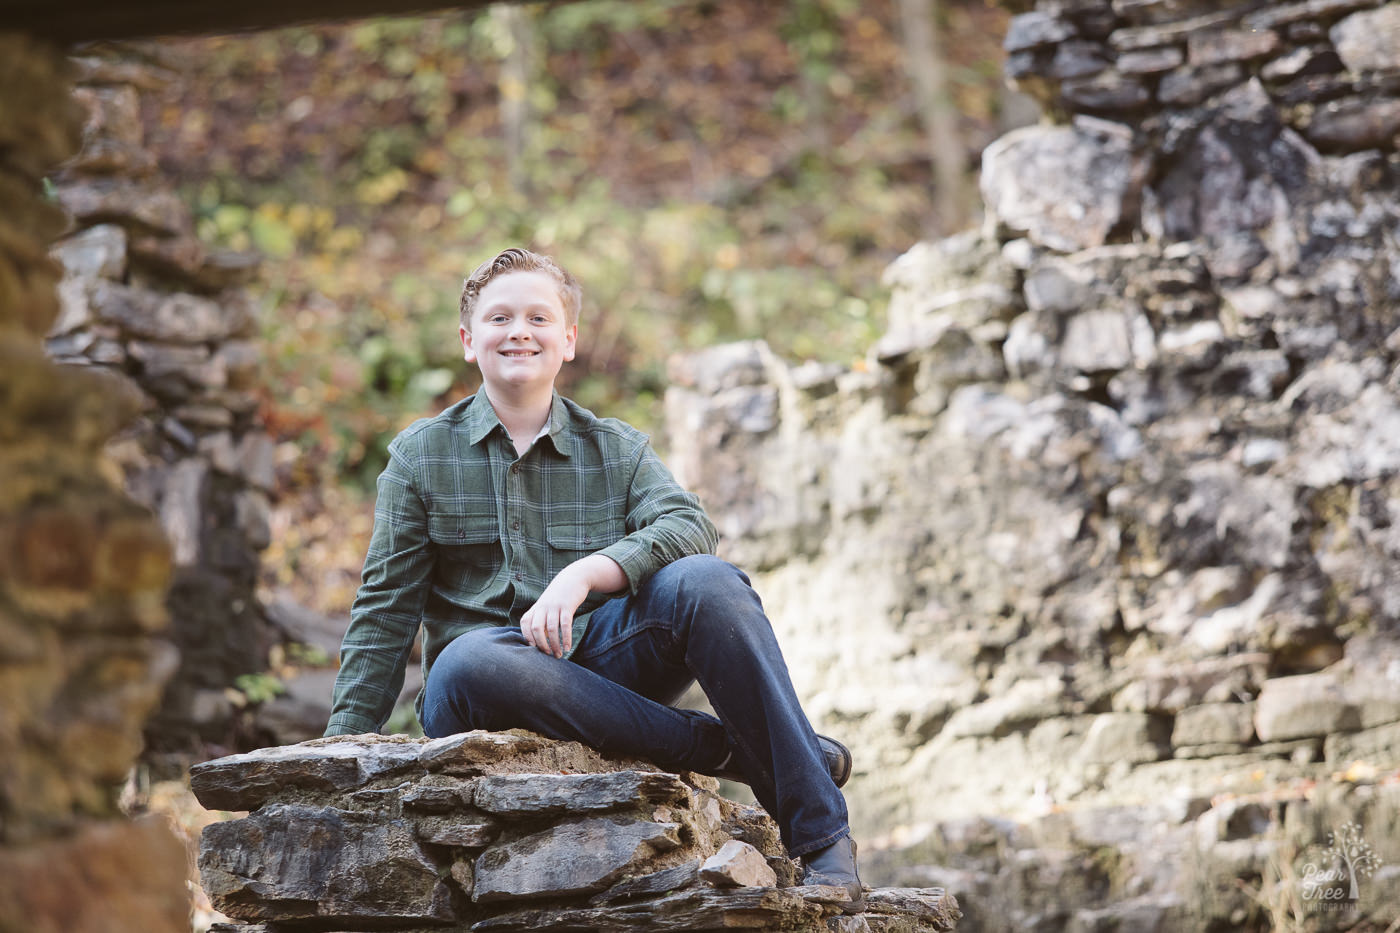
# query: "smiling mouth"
[521,354]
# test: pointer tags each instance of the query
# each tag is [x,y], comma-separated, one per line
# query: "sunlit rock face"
[505,831]
[1100,539]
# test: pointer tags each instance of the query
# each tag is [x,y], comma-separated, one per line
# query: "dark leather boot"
[835,866]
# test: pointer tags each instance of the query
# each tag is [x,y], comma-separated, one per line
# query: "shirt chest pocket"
[466,541]
[570,540]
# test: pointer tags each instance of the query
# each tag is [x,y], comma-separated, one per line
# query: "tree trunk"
[929,74]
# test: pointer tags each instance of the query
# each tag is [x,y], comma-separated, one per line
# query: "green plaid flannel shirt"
[467,534]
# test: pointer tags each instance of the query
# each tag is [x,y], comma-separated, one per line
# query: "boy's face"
[520,336]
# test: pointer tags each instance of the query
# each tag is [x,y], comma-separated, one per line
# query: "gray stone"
[1276,15]
[174,318]
[1077,59]
[738,864]
[182,510]
[257,460]
[1379,746]
[1150,61]
[1103,341]
[1299,63]
[472,832]
[1065,188]
[96,252]
[1212,723]
[248,781]
[1035,30]
[1230,45]
[1370,40]
[536,795]
[438,795]
[1131,737]
[1302,706]
[1189,86]
[294,862]
[1354,123]
[1107,91]
[658,882]
[570,858]
[1146,37]
[684,912]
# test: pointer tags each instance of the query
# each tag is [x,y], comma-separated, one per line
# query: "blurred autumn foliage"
[710,169]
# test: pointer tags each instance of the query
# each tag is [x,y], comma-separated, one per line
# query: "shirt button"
[519,575]
[515,468]
[461,534]
[515,524]
[587,539]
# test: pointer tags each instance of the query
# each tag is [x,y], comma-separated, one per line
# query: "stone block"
[1369,40]
[1303,706]
[150,208]
[536,795]
[172,318]
[1379,746]
[570,858]
[1230,45]
[1066,188]
[1354,123]
[738,864]
[1212,723]
[470,832]
[1134,738]
[93,253]
[248,781]
[1035,30]
[292,862]
[1150,61]
[1188,86]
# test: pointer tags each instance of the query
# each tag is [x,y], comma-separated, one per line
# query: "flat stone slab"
[246,782]
[570,858]
[294,862]
[556,794]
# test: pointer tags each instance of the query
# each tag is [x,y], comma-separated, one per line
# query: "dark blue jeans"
[696,619]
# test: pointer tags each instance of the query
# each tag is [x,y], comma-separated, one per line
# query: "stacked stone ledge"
[1332,66]
[504,832]
[144,303]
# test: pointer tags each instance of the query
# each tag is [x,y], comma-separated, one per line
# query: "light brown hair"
[516,259]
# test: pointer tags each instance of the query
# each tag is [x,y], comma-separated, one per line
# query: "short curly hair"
[516,259]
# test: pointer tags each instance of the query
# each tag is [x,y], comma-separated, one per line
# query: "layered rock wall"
[144,303]
[83,574]
[1099,542]
[504,831]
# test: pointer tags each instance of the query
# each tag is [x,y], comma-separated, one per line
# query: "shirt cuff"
[350,724]
[634,559]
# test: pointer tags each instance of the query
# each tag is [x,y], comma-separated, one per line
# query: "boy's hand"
[549,624]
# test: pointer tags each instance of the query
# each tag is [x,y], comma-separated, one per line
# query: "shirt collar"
[481,420]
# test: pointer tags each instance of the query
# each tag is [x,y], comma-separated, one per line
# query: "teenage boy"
[565,584]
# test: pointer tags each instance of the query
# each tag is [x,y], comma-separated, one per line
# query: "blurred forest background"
[711,170]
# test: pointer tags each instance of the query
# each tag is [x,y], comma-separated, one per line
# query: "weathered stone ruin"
[1093,560]
[145,303]
[501,831]
[83,574]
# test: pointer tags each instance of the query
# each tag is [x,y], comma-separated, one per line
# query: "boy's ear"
[468,352]
[570,342]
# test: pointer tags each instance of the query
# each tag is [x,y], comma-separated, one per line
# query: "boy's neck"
[523,417]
